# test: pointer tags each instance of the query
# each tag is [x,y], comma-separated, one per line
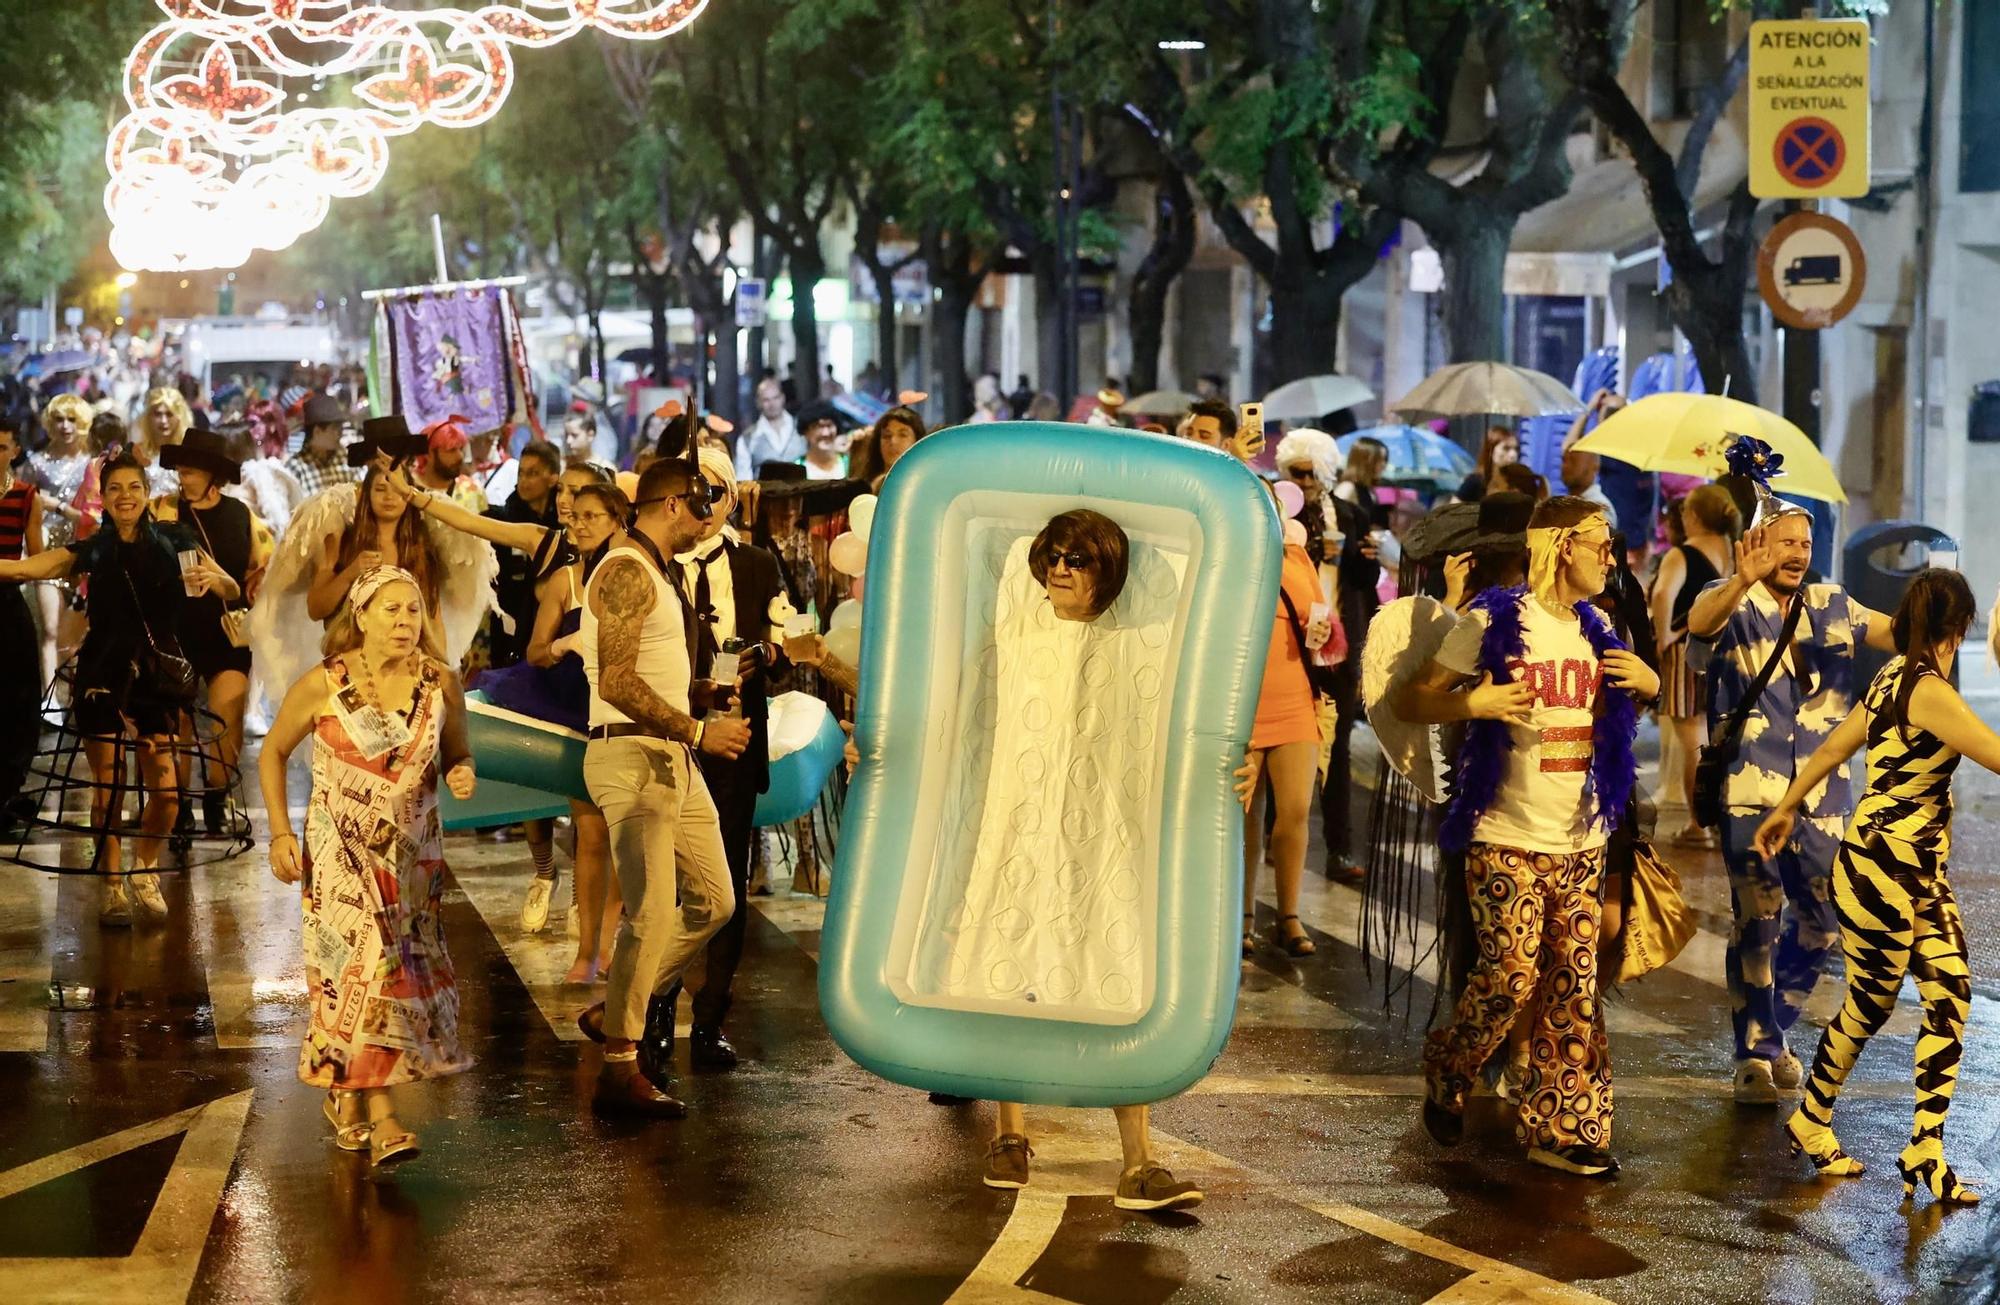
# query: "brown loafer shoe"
[623,1092]
[1007,1162]
[1152,1187]
[591,1022]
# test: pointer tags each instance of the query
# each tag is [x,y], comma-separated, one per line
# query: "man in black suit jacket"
[731,585]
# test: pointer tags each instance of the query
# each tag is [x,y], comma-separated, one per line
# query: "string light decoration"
[247,118]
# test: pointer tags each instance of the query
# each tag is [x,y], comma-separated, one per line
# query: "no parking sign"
[1809,109]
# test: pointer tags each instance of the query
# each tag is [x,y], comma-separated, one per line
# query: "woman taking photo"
[212,626]
[1711,522]
[386,717]
[130,677]
[542,689]
[1897,912]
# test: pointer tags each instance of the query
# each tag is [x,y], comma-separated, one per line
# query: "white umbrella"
[1161,403]
[1311,397]
[1493,389]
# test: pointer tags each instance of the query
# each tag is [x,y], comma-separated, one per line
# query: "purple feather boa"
[1483,763]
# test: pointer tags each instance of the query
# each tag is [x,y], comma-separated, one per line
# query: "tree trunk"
[1708,310]
[953,309]
[1049,328]
[1474,255]
[1305,323]
[885,330]
[1172,250]
[808,268]
[764,267]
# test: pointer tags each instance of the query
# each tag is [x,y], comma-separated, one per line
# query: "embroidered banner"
[451,357]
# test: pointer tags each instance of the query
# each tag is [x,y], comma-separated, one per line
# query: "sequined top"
[60,479]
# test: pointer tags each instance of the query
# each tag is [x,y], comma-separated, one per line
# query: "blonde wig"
[173,401]
[72,406]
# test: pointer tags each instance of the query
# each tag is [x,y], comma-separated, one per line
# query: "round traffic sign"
[1811,270]
[1809,152]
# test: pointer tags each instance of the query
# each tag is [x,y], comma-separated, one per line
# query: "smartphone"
[1250,429]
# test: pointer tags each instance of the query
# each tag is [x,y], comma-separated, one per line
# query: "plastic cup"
[190,558]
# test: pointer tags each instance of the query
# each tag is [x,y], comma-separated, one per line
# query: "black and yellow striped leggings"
[1897,917]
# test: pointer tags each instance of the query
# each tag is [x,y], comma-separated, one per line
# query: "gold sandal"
[393,1148]
[348,1137]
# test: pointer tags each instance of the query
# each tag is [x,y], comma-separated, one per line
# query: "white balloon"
[847,616]
[1295,534]
[849,554]
[845,642]
[861,515]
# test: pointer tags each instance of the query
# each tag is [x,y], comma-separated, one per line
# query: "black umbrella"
[642,354]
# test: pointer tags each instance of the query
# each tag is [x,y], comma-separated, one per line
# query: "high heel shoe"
[350,1136]
[1817,1143]
[1299,945]
[1249,935]
[1923,1162]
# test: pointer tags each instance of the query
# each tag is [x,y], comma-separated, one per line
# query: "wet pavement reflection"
[158,1144]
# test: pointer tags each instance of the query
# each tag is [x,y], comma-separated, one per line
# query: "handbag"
[164,676]
[1711,767]
[235,620]
[1658,921]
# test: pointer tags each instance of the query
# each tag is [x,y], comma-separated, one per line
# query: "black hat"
[1496,523]
[324,410]
[823,410]
[776,480]
[390,435]
[782,479]
[206,450]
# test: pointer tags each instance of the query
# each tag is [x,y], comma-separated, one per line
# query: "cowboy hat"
[206,450]
[390,435]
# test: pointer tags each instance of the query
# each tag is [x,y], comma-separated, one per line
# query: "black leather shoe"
[625,1093]
[656,1043]
[708,1049]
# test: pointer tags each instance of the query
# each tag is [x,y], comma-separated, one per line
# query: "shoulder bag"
[1711,769]
[1658,923]
[235,620]
[162,672]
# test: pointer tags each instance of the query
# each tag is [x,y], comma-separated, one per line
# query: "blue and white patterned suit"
[1785,922]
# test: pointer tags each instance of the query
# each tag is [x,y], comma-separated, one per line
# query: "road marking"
[1070,1161]
[494,878]
[162,1264]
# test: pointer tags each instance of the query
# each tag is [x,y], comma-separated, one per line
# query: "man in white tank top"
[665,839]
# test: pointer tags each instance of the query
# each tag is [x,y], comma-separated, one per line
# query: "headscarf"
[373,581]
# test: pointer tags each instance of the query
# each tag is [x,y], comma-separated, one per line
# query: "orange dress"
[1285,710]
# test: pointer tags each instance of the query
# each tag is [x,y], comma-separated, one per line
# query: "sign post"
[1809,109]
[751,306]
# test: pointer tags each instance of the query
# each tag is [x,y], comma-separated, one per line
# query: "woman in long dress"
[387,717]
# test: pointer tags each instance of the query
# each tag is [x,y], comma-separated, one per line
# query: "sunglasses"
[1070,558]
[700,500]
[1602,547]
[1301,473]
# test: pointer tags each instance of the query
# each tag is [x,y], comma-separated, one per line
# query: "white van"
[216,350]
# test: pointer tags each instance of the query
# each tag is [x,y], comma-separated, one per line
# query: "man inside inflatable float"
[1038,881]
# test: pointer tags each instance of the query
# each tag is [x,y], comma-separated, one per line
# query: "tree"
[1705,297]
[1289,77]
[1168,255]
[773,87]
[59,67]
[1470,222]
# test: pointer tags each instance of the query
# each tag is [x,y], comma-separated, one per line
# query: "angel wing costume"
[285,640]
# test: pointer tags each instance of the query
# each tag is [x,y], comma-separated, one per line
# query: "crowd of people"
[649,607]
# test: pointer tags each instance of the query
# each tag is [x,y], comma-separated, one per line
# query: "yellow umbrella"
[1689,434]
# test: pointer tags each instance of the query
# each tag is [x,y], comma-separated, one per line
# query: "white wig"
[1318,448]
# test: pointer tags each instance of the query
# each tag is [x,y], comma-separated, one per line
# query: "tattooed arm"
[620,599]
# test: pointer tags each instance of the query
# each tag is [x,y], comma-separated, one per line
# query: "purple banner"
[451,358]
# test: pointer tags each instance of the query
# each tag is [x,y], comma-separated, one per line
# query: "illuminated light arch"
[247,118]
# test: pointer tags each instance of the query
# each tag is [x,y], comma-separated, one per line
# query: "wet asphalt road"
[157,1144]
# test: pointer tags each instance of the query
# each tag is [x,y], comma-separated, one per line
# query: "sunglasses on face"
[1601,547]
[1070,558]
[1301,473]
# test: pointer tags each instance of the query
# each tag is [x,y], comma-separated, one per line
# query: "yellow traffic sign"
[1809,109]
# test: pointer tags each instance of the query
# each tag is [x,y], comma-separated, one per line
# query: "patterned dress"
[384,997]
